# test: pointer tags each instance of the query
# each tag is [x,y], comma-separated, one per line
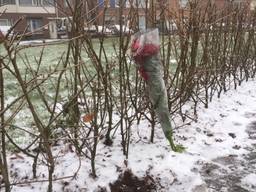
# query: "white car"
[104,30]
[117,28]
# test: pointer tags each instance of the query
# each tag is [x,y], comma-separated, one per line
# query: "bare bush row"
[93,91]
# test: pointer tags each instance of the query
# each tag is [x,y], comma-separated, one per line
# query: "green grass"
[51,56]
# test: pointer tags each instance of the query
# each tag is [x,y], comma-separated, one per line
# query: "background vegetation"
[84,91]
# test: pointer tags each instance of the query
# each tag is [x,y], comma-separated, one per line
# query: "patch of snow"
[38,41]
[173,61]
[250,181]
[218,129]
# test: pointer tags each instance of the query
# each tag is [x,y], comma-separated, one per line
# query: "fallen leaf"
[88,117]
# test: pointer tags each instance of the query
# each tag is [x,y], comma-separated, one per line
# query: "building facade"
[41,18]
[34,16]
[144,13]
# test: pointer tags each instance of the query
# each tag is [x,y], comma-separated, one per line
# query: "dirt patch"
[128,182]
[224,176]
[251,130]
[226,173]
[250,115]
[227,160]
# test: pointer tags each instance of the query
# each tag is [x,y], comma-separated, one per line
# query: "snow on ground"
[249,180]
[38,41]
[220,154]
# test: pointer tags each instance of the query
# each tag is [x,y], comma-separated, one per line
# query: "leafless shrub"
[101,94]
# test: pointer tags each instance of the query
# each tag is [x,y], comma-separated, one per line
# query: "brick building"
[35,13]
[42,17]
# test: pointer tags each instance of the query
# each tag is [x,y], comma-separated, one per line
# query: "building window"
[142,22]
[253,5]
[140,3]
[5,22]
[144,3]
[112,3]
[7,2]
[25,2]
[67,3]
[48,2]
[123,3]
[101,3]
[36,2]
[34,24]
[183,3]
[238,3]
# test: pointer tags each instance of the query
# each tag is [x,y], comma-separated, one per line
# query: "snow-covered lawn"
[220,154]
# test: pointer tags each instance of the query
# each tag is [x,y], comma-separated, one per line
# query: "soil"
[128,182]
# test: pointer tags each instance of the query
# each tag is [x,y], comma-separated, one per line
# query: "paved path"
[225,173]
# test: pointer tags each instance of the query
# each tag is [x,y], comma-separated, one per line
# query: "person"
[145,49]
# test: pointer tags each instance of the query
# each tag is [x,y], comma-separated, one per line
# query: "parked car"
[116,29]
[103,30]
[90,29]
